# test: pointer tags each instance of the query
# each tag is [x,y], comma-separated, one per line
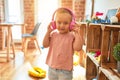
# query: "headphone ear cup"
[53,25]
[72,25]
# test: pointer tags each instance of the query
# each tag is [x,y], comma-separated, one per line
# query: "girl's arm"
[78,41]
[46,40]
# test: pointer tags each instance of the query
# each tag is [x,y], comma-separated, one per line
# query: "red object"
[97,53]
[99,14]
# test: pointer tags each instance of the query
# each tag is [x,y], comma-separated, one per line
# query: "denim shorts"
[58,74]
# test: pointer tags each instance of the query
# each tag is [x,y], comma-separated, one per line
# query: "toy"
[118,16]
[37,72]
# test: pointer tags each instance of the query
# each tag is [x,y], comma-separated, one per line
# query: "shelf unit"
[110,37]
[92,67]
[94,37]
[83,29]
[102,38]
[93,44]
[82,53]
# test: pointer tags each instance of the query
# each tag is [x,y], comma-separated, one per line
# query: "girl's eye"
[58,22]
[65,22]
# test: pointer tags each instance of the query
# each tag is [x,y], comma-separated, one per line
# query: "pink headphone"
[72,22]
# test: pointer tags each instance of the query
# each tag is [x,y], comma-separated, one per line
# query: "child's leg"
[65,75]
[52,74]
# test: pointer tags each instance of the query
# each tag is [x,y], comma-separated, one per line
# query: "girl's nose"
[61,25]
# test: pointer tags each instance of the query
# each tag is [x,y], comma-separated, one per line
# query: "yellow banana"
[33,73]
[37,72]
[40,70]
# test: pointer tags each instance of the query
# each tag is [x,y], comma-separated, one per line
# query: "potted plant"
[116,55]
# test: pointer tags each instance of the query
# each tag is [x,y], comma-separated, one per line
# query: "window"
[13,14]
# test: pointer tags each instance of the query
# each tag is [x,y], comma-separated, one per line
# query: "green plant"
[116,51]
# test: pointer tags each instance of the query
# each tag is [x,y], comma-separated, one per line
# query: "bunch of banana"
[37,72]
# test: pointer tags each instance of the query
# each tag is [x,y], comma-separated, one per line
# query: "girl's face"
[63,21]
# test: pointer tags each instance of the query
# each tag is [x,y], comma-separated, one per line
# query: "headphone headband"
[71,13]
[73,17]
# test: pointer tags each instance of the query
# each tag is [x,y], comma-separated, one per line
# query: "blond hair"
[63,10]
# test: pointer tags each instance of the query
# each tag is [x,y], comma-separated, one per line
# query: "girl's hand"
[49,29]
[78,42]
[77,32]
[76,28]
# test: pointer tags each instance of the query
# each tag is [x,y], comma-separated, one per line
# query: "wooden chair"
[26,37]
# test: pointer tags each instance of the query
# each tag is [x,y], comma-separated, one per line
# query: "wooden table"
[9,37]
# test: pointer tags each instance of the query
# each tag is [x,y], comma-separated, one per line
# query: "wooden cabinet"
[83,29]
[94,39]
[82,53]
[92,67]
[110,37]
[102,38]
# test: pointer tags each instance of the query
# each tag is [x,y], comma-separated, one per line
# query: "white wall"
[104,5]
[45,12]
[88,9]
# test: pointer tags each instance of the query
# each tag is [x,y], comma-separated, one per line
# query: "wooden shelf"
[102,38]
[93,59]
[108,74]
[110,71]
[92,67]
[109,65]
[83,30]
[94,32]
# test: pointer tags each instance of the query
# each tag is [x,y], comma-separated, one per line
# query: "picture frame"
[110,13]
